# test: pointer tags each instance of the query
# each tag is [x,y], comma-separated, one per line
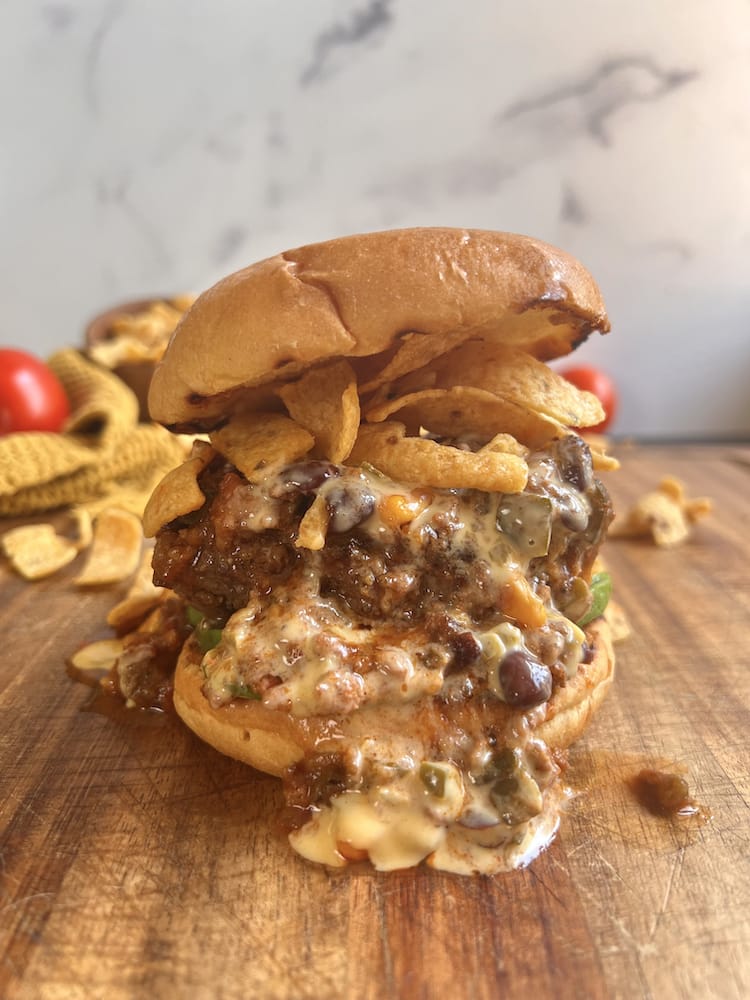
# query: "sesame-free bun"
[570,710]
[267,740]
[271,740]
[355,297]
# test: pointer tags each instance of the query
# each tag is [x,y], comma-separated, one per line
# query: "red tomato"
[593,380]
[31,396]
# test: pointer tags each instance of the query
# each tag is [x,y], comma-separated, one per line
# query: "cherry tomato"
[594,380]
[31,395]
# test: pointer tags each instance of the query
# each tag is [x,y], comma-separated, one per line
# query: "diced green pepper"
[207,634]
[240,690]
[527,521]
[601,591]
[433,778]
[502,766]
[208,638]
[193,615]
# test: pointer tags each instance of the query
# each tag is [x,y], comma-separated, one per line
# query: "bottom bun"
[271,740]
[267,740]
[571,708]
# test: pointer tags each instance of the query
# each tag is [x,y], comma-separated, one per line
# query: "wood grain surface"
[138,863]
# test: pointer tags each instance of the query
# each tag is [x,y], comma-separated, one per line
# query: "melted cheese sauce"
[304,654]
[432,812]
[325,662]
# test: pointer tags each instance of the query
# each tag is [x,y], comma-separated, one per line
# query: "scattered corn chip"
[664,515]
[414,352]
[128,613]
[465,410]
[178,492]
[427,463]
[141,598]
[115,550]
[84,528]
[313,526]
[513,375]
[140,336]
[603,462]
[99,656]
[36,550]
[507,443]
[253,441]
[325,402]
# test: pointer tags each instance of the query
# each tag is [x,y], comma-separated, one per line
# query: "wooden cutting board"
[138,863]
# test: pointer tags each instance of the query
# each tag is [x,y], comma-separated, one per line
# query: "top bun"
[355,297]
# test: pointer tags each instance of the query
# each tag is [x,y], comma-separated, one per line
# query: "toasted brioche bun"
[355,297]
[271,740]
[267,740]
[570,710]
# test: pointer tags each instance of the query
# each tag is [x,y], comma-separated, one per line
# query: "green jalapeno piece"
[526,519]
[601,591]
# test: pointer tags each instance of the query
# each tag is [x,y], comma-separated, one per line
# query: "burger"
[386,537]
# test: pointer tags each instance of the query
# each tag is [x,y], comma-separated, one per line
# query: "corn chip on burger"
[387,542]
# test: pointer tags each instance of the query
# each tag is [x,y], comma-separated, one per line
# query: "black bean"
[466,650]
[524,680]
[575,462]
[503,764]
[575,517]
[307,476]
[348,506]
[504,786]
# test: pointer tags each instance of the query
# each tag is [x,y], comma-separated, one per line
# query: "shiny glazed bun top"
[356,297]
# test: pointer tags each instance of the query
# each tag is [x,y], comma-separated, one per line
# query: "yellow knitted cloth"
[103,453]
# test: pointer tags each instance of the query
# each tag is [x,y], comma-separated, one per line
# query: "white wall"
[151,146]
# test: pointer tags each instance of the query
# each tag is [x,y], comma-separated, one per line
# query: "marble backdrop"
[150,146]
